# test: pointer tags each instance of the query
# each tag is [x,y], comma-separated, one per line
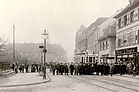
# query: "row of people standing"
[79,69]
[22,68]
[90,69]
[61,68]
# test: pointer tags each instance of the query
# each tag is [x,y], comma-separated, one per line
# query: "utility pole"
[13,43]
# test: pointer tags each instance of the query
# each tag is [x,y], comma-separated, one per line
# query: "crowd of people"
[94,68]
[26,68]
[80,68]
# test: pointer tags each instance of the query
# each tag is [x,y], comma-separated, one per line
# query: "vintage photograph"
[69,46]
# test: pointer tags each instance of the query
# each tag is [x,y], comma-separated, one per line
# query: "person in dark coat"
[91,68]
[57,68]
[13,66]
[101,68]
[87,69]
[20,68]
[66,70]
[111,69]
[53,68]
[33,68]
[107,69]
[61,68]
[80,69]
[71,68]
[36,65]
[26,66]
[16,68]
[122,69]
[137,69]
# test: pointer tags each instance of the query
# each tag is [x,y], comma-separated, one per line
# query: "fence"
[5,65]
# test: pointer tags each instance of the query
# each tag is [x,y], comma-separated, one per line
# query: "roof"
[81,34]
[105,36]
[108,34]
[107,23]
[107,28]
[128,8]
[95,25]
[81,30]
[98,21]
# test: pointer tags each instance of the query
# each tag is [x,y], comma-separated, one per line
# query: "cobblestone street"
[73,83]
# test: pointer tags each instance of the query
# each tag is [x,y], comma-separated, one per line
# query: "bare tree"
[3,43]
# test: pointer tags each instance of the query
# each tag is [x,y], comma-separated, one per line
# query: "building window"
[100,47]
[119,42]
[125,40]
[132,38]
[132,17]
[106,44]
[119,23]
[125,20]
[103,46]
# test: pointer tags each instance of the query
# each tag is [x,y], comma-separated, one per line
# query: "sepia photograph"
[69,46]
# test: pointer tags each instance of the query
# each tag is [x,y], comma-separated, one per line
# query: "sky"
[62,18]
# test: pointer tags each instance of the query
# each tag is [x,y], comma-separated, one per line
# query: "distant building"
[107,40]
[92,40]
[80,45]
[31,52]
[127,33]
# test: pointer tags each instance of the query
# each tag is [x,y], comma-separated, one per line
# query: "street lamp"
[45,36]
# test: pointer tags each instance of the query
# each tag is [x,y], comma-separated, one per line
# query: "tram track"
[114,83]
[128,77]
[122,81]
[109,89]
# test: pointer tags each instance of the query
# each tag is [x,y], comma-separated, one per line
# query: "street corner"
[23,79]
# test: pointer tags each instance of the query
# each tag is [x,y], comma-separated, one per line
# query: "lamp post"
[44,36]
[13,43]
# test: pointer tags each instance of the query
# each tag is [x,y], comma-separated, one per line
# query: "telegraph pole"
[13,43]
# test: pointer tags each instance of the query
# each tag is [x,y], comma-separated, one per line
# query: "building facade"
[80,45]
[127,33]
[93,34]
[106,41]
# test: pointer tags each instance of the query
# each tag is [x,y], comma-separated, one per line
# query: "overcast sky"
[62,18]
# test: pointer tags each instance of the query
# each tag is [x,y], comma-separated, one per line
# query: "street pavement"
[22,79]
[83,83]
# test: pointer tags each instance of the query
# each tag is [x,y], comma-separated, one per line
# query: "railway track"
[114,83]
[121,81]
[128,77]
[109,89]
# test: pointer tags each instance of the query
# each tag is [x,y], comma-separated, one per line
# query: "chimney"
[131,2]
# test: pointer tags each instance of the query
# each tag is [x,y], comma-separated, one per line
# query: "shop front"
[127,55]
[107,59]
